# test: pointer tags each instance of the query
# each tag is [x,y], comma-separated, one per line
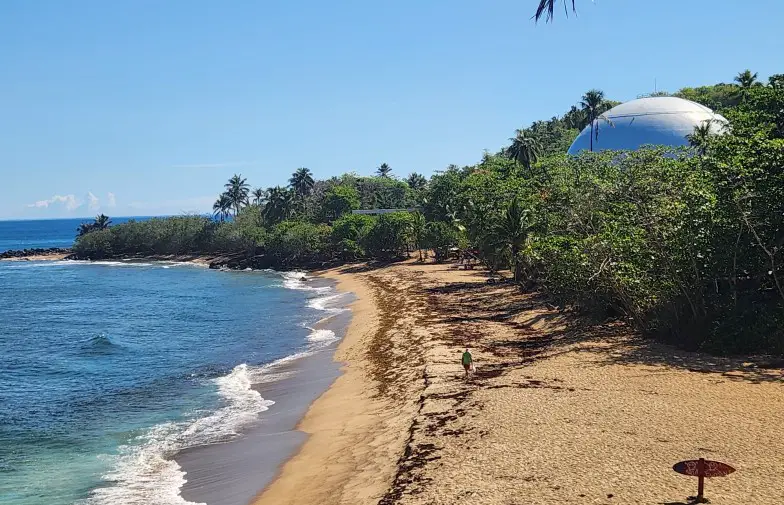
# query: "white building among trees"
[660,121]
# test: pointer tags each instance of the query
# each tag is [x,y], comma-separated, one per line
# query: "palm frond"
[548,7]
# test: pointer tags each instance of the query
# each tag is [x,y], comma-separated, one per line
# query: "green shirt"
[467,360]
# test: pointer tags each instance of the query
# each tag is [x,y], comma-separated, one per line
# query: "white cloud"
[93,202]
[70,202]
[111,201]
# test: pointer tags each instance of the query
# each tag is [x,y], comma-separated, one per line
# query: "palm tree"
[512,230]
[101,222]
[418,231]
[575,118]
[221,209]
[416,181]
[259,196]
[700,137]
[384,170]
[302,182]
[279,205]
[525,149]
[591,104]
[548,6]
[237,190]
[746,79]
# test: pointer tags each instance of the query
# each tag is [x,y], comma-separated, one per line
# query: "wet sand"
[232,473]
[558,411]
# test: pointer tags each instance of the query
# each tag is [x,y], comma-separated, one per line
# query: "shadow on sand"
[542,331]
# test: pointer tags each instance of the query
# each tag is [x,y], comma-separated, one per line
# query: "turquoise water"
[109,368]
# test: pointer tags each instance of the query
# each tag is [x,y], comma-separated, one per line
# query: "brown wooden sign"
[702,468]
[711,468]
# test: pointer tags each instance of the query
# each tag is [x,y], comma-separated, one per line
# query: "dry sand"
[556,412]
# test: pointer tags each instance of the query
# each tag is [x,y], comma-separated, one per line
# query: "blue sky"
[140,107]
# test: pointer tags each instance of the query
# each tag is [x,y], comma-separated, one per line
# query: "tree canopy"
[685,248]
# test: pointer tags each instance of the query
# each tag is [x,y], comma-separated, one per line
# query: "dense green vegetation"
[686,247]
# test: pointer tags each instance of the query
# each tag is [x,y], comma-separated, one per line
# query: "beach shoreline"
[555,412]
[36,254]
[350,429]
[233,472]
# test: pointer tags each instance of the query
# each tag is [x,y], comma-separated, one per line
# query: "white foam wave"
[170,264]
[120,264]
[37,264]
[322,337]
[144,471]
[269,372]
[323,303]
[298,280]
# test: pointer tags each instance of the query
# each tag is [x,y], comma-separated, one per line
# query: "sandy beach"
[558,411]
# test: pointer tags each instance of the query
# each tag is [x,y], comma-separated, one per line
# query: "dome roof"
[664,120]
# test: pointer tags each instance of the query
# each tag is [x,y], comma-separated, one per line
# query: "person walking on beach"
[468,362]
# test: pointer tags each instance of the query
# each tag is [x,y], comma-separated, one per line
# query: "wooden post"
[701,480]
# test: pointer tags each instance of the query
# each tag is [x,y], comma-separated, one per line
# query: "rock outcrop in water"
[261,262]
[30,253]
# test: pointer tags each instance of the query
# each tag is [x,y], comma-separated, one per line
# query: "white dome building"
[664,121]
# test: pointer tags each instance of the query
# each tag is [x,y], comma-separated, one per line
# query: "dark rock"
[30,253]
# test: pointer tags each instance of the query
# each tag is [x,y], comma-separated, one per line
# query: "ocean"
[44,233]
[111,370]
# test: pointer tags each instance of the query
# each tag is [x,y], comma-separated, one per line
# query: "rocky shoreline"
[36,252]
[237,261]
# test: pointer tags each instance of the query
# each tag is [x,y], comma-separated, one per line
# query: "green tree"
[512,230]
[279,205]
[440,237]
[101,222]
[259,196]
[416,181]
[237,190]
[592,104]
[302,182]
[390,236]
[349,233]
[418,232]
[298,243]
[525,149]
[221,209]
[746,79]
[700,137]
[442,196]
[383,192]
[384,170]
[339,200]
[575,118]
[776,81]
[718,97]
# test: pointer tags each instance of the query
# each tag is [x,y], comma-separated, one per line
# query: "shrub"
[349,233]
[390,235]
[94,245]
[293,243]
[441,237]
